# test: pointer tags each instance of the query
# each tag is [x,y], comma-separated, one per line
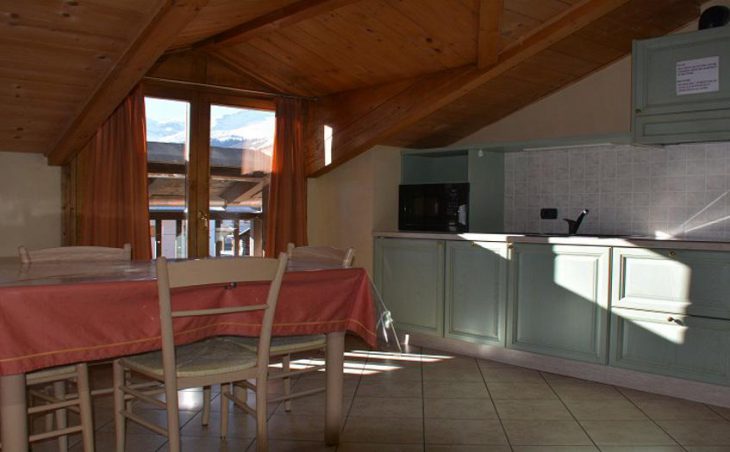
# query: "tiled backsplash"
[680,190]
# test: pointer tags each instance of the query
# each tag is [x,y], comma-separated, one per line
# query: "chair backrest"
[217,271]
[75,254]
[319,256]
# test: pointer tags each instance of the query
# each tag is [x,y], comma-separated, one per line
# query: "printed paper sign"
[698,76]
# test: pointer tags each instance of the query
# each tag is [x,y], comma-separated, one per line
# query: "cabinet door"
[476,286]
[682,87]
[670,344]
[675,281]
[410,276]
[558,301]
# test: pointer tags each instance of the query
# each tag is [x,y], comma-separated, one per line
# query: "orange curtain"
[286,216]
[112,195]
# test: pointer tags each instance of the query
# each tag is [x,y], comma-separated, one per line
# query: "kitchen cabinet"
[672,281]
[476,286]
[558,301]
[484,171]
[670,313]
[697,348]
[681,90]
[410,277]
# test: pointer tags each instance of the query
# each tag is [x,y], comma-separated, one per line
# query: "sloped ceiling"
[435,70]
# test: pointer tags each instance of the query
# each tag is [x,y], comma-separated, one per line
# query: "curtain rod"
[226,88]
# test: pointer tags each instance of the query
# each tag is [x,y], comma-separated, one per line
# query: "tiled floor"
[433,401]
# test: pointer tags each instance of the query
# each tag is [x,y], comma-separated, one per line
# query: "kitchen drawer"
[678,282]
[670,344]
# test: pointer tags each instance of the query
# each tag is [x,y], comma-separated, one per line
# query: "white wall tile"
[680,189]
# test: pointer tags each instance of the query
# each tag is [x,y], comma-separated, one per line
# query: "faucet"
[573,225]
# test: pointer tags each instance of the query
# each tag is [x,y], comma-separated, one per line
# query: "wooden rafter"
[489,38]
[288,15]
[139,57]
[426,94]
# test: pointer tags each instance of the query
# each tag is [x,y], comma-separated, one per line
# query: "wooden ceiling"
[417,73]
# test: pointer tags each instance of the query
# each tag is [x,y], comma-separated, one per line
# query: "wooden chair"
[301,258]
[75,253]
[217,360]
[59,377]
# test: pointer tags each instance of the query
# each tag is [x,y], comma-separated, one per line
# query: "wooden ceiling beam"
[283,17]
[427,94]
[139,57]
[489,37]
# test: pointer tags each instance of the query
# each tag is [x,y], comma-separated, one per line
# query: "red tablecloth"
[49,325]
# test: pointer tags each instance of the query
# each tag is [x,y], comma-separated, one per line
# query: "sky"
[230,126]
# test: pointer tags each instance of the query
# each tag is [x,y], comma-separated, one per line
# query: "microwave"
[433,207]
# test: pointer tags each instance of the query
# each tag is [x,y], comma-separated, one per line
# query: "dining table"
[55,314]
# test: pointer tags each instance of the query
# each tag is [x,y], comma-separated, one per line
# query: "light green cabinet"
[680,346]
[558,301]
[672,281]
[670,311]
[410,277]
[681,90]
[476,283]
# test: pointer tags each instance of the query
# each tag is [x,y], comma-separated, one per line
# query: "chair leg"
[225,391]
[119,406]
[262,439]
[173,418]
[59,392]
[286,368]
[87,415]
[206,405]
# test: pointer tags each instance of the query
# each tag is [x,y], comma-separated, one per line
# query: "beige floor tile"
[276,445]
[586,391]
[435,373]
[464,431]
[698,433]
[105,441]
[239,426]
[488,363]
[641,449]
[367,447]
[312,405]
[555,449]
[707,448]
[557,378]
[532,410]
[627,433]
[511,374]
[520,391]
[158,417]
[407,373]
[545,433]
[383,430]
[466,448]
[637,395]
[387,407]
[676,409]
[722,411]
[474,408]
[193,443]
[389,389]
[605,410]
[455,389]
[296,427]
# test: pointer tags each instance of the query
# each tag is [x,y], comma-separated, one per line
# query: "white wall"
[30,202]
[347,205]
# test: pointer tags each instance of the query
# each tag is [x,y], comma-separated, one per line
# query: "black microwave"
[433,207]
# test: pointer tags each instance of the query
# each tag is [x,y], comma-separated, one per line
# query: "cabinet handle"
[672,254]
[673,320]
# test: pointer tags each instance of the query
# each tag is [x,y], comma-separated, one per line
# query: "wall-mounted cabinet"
[681,87]
[484,171]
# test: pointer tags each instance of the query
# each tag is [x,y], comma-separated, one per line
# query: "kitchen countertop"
[558,239]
